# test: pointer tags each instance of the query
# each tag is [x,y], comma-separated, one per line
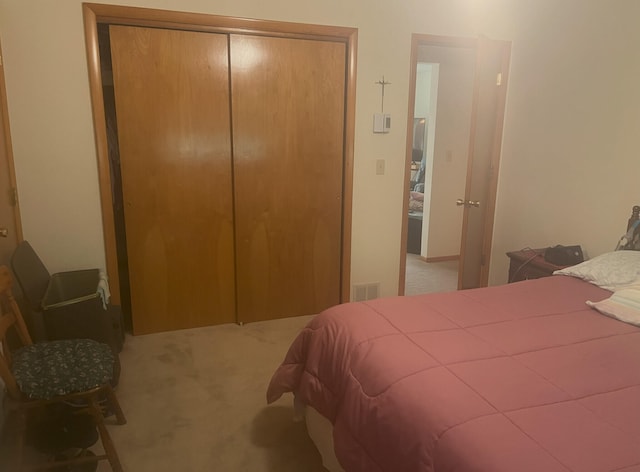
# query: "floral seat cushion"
[45,370]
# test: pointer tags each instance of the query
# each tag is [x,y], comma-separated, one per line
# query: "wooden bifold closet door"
[231,150]
[288,122]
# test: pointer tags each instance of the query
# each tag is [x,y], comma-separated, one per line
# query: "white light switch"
[381,122]
[379,166]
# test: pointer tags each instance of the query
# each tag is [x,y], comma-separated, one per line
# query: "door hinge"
[483,260]
[499,79]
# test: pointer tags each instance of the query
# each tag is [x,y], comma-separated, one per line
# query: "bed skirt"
[320,431]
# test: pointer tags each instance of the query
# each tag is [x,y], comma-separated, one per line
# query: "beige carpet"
[429,277]
[195,401]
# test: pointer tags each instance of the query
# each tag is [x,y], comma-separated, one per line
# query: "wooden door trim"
[102,150]
[418,40]
[4,109]
[137,16]
[347,189]
[487,237]
[112,14]
[413,63]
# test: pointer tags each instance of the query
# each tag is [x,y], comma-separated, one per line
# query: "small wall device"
[381,122]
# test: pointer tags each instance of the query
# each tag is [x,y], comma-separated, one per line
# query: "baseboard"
[441,258]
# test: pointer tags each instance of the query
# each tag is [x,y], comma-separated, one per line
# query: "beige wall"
[570,161]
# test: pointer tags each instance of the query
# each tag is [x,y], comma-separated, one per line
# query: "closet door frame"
[95,14]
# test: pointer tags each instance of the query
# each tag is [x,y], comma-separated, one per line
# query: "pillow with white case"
[611,270]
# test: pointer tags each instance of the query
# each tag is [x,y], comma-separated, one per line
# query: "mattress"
[521,377]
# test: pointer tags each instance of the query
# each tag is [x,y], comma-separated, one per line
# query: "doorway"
[446,239]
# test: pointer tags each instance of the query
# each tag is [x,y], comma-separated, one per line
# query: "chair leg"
[115,405]
[107,443]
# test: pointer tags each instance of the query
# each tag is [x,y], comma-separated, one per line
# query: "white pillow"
[623,305]
[611,270]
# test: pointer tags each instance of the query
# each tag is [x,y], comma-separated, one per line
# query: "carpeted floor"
[429,277]
[195,401]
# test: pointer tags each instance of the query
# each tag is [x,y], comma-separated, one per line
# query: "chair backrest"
[31,273]
[10,317]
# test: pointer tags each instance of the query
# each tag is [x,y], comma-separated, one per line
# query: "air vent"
[362,292]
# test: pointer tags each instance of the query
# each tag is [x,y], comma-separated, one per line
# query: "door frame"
[418,40]
[95,14]
[8,153]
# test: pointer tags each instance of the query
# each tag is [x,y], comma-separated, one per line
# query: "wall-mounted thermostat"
[381,122]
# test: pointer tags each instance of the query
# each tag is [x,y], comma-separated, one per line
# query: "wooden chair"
[75,371]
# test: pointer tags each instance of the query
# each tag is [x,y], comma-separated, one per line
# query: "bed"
[520,377]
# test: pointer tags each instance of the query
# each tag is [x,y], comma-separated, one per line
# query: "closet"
[232,156]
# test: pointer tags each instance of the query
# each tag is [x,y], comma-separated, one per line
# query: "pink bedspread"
[517,378]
